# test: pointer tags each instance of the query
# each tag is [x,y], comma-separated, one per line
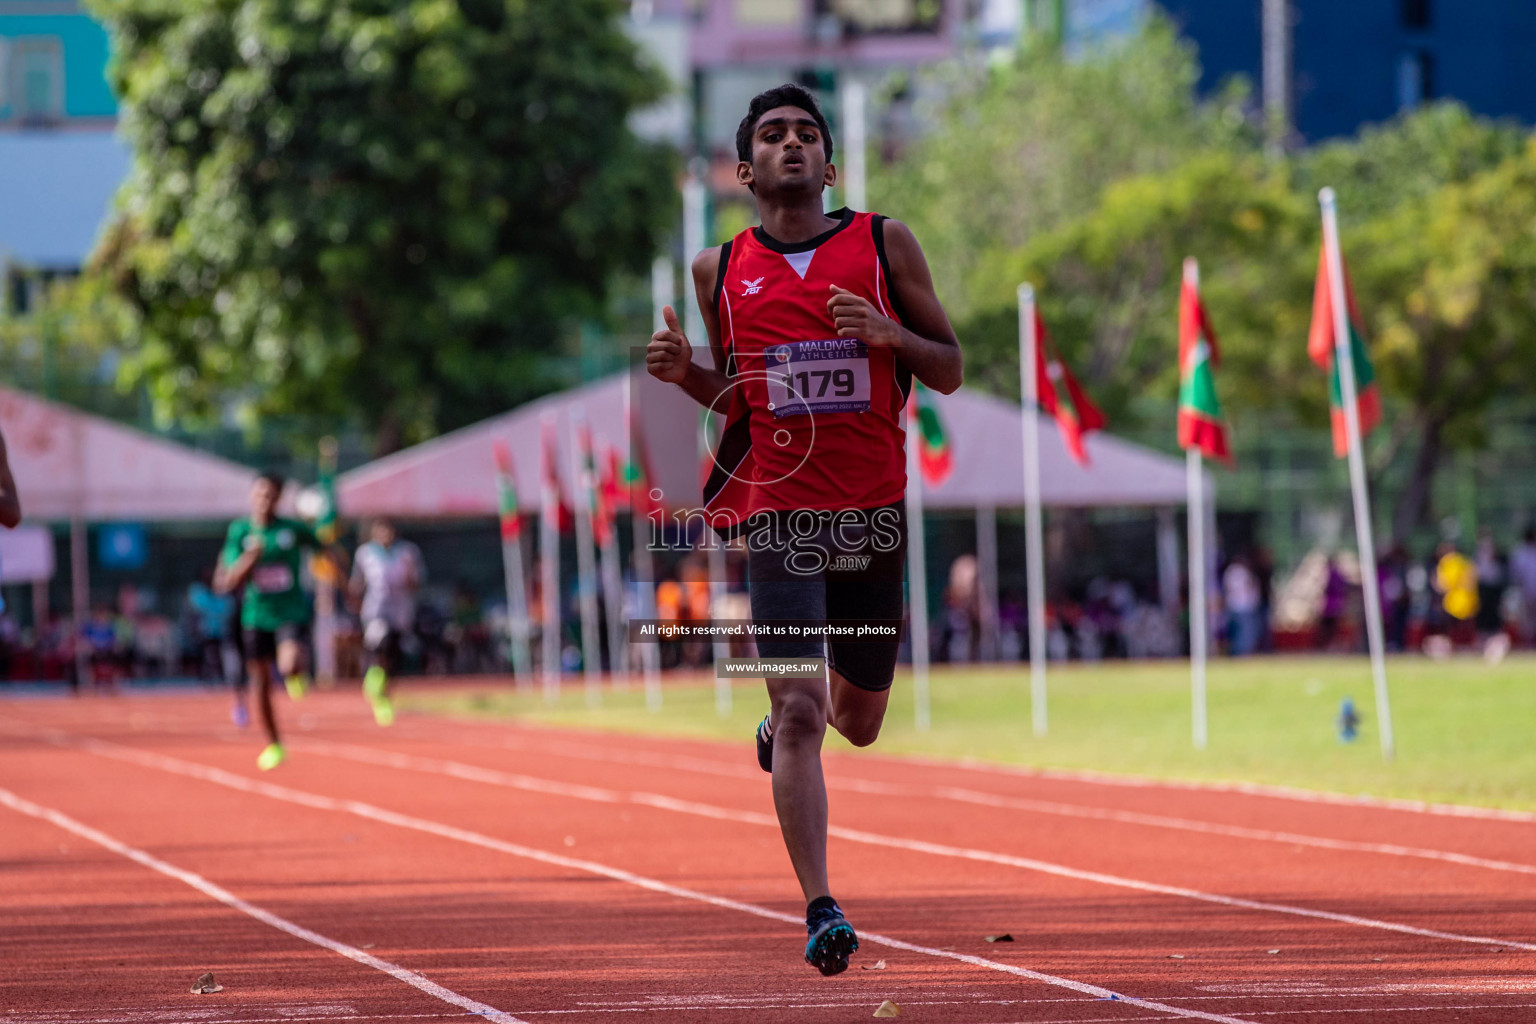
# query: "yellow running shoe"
[375,684]
[298,685]
[270,757]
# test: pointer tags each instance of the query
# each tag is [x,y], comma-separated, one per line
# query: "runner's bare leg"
[260,673]
[800,712]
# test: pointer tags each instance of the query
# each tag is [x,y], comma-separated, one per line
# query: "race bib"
[272,579]
[808,377]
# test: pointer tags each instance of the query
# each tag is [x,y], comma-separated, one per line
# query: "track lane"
[1174,928]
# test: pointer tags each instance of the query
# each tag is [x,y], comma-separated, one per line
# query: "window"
[1415,79]
[1416,13]
[35,67]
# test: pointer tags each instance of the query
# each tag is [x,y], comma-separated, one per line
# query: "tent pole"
[80,595]
[917,576]
[1168,562]
[986,560]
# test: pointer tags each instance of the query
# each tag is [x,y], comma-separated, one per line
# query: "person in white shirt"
[1240,589]
[386,574]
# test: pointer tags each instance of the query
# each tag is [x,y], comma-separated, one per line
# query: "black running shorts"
[261,644]
[841,568]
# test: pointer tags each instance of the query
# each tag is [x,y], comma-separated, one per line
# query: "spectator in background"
[1392,578]
[1456,580]
[1491,577]
[216,617]
[1240,591]
[1335,598]
[1522,572]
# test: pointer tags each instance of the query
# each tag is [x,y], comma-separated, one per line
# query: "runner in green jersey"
[265,554]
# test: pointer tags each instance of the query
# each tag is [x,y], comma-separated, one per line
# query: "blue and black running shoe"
[765,745]
[832,940]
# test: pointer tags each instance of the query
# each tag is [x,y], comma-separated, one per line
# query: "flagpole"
[586,569]
[517,588]
[549,559]
[644,564]
[1034,530]
[917,576]
[325,584]
[1199,628]
[854,130]
[613,602]
[1344,358]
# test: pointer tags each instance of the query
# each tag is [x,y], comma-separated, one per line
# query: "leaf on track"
[878,965]
[206,985]
[888,1009]
[1005,937]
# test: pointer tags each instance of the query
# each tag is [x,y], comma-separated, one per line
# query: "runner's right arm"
[669,357]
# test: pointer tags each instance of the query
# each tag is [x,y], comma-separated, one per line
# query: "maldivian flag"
[1200,424]
[1074,412]
[1322,347]
[637,476]
[506,492]
[566,520]
[935,458]
[597,499]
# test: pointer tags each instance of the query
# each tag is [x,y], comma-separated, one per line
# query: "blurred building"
[1354,62]
[60,158]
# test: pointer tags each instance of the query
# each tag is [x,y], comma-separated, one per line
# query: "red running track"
[451,869]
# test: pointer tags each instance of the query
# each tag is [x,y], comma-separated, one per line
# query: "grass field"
[1466,732]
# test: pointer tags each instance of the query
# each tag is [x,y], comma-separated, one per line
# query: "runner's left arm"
[926,343]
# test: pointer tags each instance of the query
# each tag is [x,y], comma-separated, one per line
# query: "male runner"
[385,576]
[817,322]
[264,553]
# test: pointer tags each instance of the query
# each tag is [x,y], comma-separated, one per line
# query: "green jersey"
[273,597]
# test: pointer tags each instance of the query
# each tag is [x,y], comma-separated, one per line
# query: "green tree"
[388,208]
[1447,279]
[1108,285]
[1029,145]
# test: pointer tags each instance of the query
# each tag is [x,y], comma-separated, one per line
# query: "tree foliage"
[1026,146]
[389,206]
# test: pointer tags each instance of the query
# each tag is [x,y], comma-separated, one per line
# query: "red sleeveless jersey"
[813,420]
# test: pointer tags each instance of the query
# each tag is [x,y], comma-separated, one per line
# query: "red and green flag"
[1200,423]
[598,506]
[506,493]
[935,457]
[1075,414]
[1322,346]
[565,519]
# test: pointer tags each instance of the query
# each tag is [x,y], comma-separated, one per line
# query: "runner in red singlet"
[817,324]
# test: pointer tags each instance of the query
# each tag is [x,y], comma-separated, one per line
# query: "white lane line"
[266,917]
[969,796]
[358,808]
[412,762]
[1093,778]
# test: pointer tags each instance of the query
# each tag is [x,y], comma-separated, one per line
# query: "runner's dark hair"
[274,478]
[786,95]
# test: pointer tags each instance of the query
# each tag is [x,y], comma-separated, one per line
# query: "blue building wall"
[85,49]
[1349,55]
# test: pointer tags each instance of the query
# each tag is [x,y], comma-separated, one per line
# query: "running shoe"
[239,715]
[765,744]
[298,685]
[832,941]
[273,755]
[375,684]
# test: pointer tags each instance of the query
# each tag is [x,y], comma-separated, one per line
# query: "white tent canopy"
[987,438]
[70,465]
[454,475]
